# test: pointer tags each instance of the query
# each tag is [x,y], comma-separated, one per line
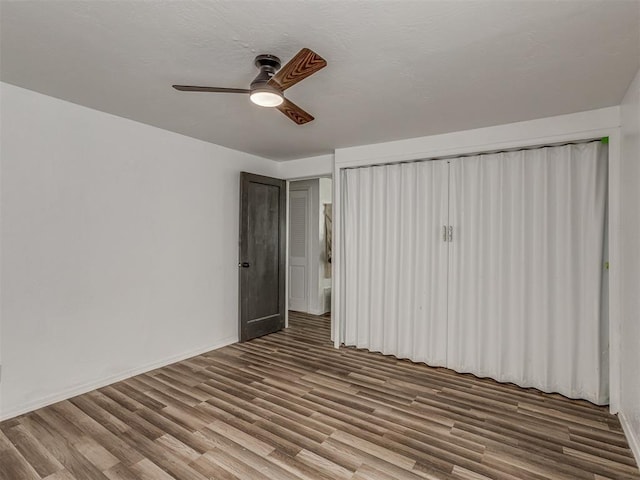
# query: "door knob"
[244,265]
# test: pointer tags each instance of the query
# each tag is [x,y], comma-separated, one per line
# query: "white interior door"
[298,250]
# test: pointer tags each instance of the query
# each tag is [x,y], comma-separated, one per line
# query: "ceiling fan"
[267,89]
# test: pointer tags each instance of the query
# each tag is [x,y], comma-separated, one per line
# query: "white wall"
[320,166]
[630,266]
[534,132]
[119,247]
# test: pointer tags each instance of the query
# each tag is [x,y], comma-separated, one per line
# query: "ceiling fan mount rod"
[267,62]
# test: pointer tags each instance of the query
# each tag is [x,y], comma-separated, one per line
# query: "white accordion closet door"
[394,275]
[526,269]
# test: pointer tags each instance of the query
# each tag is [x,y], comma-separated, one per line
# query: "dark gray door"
[262,255]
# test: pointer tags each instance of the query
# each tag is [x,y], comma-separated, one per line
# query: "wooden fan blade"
[191,88]
[304,64]
[294,112]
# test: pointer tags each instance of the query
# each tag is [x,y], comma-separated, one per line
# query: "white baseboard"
[632,437]
[87,387]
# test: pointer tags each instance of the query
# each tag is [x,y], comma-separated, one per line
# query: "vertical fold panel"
[391,256]
[364,257]
[429,282]
[526,264]
[407,263]
[377,275]
[396,260]
[602,195]
[356,253]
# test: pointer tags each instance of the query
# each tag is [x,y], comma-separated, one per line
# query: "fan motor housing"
[269,61]
[268,65]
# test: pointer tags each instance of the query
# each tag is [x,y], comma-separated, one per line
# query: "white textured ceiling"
[396,69]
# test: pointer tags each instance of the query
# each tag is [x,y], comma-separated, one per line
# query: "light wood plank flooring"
[289,406]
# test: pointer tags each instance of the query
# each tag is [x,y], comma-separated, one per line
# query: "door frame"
[289,180]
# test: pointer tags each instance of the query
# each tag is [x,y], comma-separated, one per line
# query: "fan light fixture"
[267,89]
[266,97]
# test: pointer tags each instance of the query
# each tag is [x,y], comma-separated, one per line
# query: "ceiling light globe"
[266,98]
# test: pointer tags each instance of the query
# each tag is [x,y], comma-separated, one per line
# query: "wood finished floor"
[289,406]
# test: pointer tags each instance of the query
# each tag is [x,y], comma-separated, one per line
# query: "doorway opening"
[309,239]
